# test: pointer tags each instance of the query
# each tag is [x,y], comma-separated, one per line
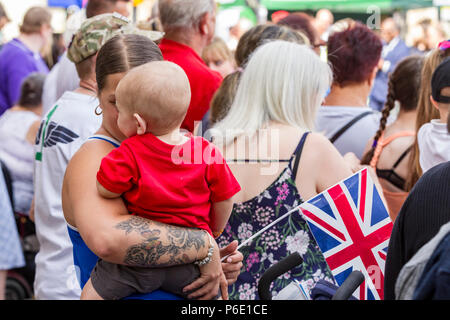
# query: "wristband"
[210,252]
[217,234]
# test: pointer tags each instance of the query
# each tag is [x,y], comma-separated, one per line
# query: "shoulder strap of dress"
[349,125]
[382,142]
[397,135]
[298,153]
[402,157]
[114,142]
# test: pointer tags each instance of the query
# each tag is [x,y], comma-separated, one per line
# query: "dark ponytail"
[122,53]
[403,86]
[31,91]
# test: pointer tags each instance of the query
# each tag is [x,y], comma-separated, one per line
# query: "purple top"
[16,63]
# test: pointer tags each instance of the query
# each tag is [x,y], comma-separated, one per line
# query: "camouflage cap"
[96,31]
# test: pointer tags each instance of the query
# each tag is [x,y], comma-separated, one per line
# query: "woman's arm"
[105,193]
[115,236]
[111,232]
[32,132]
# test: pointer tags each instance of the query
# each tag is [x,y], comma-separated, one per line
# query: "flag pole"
[265,228]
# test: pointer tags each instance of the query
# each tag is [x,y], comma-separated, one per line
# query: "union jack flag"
[352,228]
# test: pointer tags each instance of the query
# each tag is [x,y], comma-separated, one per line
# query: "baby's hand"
[106,193]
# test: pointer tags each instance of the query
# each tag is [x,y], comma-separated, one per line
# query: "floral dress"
[288,236]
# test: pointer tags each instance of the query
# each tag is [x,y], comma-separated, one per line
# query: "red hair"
[353,54]
[300,21]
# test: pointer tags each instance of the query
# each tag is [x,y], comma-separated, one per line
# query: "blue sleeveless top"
[85,260]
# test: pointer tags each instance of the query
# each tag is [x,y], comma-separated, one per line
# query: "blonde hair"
[284,82]
[425,110]
[216,50]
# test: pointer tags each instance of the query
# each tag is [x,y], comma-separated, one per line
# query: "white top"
[330,119]
[63,130]
[18,155]
[434,144]
[63,77]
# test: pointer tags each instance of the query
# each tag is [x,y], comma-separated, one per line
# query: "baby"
[433,138]
[158,172]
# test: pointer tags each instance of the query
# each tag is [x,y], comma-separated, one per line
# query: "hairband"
[374,144]
[444,45]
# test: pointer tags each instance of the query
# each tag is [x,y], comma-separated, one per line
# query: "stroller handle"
[350,284]
[274,272]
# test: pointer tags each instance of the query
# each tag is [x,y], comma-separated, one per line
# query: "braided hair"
[403,86]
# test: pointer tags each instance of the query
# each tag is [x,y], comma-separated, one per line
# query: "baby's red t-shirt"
[172,184]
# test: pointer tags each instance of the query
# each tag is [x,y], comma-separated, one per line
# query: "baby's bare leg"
[89,292]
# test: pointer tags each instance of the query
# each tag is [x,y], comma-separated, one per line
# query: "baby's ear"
[140,124]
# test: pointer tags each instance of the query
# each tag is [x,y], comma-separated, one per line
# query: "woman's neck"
[349,96]
[32,41]
[105,132]
[37,110]
[406,120]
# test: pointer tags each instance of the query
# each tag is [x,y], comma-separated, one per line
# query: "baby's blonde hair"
[159,92]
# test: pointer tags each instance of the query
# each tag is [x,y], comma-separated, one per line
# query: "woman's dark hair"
[261,34]
[353,54]
[122,53]
[404,84]
[250,40]
[300,21]
[31,91]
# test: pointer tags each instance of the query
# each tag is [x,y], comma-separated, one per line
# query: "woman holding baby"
[105,225]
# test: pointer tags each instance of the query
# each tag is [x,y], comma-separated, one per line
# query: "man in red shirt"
[189,27]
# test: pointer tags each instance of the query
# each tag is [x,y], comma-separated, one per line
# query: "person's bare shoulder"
[89,156]
[79,178]
[319,146]
[323,161]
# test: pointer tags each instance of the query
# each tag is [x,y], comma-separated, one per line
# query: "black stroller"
[19,282]
[323,290]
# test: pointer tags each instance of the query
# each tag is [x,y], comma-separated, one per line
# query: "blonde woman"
[219,57]
[425,109]
[267,141]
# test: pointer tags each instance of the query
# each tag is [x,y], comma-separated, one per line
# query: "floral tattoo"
[152,252]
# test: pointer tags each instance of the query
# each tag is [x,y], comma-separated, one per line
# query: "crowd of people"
[144,156]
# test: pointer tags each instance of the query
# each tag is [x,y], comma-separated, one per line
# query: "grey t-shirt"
[330,119]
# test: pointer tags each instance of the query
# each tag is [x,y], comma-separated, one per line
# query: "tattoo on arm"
[151,252]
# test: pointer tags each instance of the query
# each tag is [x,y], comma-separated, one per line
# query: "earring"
[97,112]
